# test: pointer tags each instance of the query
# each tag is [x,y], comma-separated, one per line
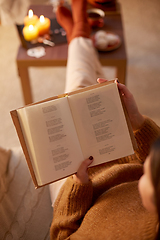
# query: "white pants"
[83,69]
[83,66]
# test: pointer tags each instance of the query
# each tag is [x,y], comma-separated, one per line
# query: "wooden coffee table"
[57,55]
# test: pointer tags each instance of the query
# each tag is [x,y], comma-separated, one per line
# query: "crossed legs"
[83,66]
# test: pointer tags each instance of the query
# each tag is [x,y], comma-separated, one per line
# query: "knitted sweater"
[109,206]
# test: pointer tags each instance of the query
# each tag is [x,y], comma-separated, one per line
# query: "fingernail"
[90,158]
[117,80]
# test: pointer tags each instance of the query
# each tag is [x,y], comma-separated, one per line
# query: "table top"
[57,55]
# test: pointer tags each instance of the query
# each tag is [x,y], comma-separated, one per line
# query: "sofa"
[25,212]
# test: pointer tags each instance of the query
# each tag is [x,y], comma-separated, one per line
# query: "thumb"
[82,175]
[101,80]
[85,164]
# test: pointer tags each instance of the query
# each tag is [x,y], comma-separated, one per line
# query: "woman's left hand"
[82,174]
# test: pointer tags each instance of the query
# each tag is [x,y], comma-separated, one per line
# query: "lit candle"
[30,32]
[31,19]
[43,25]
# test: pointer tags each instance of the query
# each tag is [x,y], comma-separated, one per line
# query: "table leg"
[25,84]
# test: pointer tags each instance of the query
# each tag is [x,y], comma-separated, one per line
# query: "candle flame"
[30,13]
[30,27]
[41,18]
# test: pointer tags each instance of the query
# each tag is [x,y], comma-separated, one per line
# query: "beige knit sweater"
[109,206]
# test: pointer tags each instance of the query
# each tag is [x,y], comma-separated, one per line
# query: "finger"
[101,80]
[82,175]
[124,90]
[85,164]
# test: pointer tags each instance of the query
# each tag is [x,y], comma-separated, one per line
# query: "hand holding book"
[135,116]
[82,174]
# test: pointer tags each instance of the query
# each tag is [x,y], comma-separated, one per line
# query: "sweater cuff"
[80,195]
[74,197]
[145,136]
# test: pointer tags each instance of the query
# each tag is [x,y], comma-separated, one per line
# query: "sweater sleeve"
[145,136]
[70,207]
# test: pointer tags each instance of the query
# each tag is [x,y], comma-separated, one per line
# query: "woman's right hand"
[135,117]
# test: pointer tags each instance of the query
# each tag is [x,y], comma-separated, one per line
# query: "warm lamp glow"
[30,13]
[41,18]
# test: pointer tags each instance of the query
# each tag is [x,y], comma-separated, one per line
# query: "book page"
[51,138]
[100,123]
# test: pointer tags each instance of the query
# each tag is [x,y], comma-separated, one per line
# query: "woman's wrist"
[138,122]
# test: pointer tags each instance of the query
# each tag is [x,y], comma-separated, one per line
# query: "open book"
[57,134]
